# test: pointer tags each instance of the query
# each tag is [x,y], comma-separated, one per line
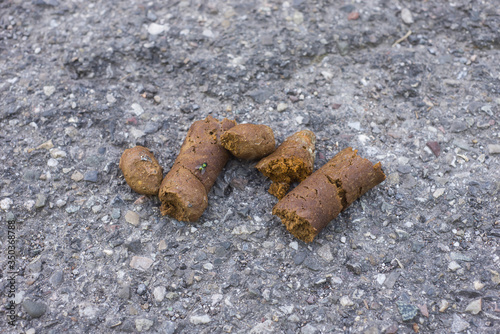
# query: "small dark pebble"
[408,311]
[299,257]
[117,201]
[91,176]
[458,126]
[34,309]
[311,300]
[134,246]
[260,95]
[495,232]
[405,169]
[435,147]
[57,278]
[355,268]
[469,293]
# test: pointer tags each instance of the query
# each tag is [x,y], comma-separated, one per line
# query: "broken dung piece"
[317,200]
[292,161]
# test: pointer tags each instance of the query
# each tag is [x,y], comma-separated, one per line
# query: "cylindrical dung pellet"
[183,191]
[317,200]
[249,141]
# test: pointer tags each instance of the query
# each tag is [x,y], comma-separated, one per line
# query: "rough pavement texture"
[81,81]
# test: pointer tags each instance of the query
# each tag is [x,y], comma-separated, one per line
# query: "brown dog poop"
[310,206]
[183,191]
[292,161]
[141,170]
[249,141]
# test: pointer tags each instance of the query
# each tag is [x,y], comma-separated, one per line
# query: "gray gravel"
[412,84]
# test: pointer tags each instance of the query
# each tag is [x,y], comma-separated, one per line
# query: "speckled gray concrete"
[81,81]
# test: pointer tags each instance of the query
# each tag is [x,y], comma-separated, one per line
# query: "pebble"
[494,149]
[406,16]
[456,256]
[110,98]
[10,217]
[156,29]
[137,109]
[49,90]
[346,301]
[469,293]
[57,153]
[141,263]
[57,278]
[31,331]
[91,176]
[458,325]
[96,208]
[136,133]
[45,146]
[200,319]
[124,291]
[260,95]
[143,325]
[282,106]
[391,279]
[454,266]
[208,266]
[41,200]
[29,204]
[478,285]
[439,192]
[52,162]
[435,147]
[309,329]
[458,126]
[353,16]
[151,127]
[299,257]
[325,253]
[6,203]
[298,17]
[312,264]
[132,217]
[294,245]
[141,289]
[265,327]
[443,305]
[34,309]
[354,125]
[77,176]
[475,306]
[407,311]
[72,208]
[380,278]
[115,213]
